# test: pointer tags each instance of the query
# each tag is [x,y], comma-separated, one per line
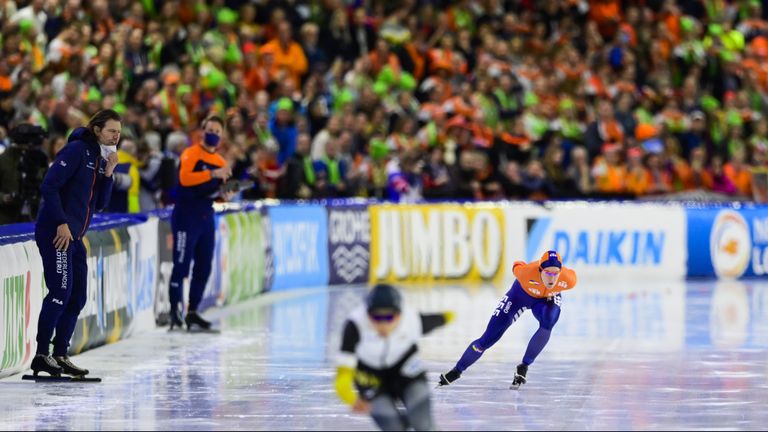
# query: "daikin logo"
[730,244]
[596,246]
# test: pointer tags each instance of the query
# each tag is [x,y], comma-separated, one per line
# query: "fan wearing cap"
[537,287]
[379,357]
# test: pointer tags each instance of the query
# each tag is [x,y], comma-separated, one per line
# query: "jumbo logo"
[441,242]
[729,244]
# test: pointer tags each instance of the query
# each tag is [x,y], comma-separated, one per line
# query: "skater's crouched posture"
[78,183]
[537,287]
[379,356]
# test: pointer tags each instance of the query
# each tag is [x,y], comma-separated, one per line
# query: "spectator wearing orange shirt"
[256,74]
[382,56]
[660,177]
[169,103]
[606,129]
[444,56]
[607,15]
[700,177]
[608,171]
[638,177]
[290,63]
[739,172]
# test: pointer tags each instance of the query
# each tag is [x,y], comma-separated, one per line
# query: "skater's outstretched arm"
[345,377]
[347,362]
[430,322]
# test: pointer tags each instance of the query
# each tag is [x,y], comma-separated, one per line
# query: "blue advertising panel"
[299,245]
[728,243]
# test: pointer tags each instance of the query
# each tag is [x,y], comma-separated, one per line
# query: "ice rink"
[628,355]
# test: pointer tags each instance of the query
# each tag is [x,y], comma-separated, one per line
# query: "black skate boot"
[176,321]
[519,379]
[449,377]
[68,368]
[44,363]
[194,318]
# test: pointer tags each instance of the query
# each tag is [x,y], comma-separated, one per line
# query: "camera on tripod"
[27,135]
[24,166]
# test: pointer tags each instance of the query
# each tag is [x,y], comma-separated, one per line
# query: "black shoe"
[194,318]
[176,321]
[68,368]
[519,379]
[44,363]
[449,377]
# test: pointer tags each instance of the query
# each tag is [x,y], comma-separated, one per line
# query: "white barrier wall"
[129,265]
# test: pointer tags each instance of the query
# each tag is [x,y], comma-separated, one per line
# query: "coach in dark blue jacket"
[78,183]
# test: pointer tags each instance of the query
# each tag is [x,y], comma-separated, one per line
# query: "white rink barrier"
[262,247]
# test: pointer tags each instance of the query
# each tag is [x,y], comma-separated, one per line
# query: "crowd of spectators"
[407,99]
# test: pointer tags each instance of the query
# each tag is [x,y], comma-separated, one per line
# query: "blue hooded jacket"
[286,138]
[75,185]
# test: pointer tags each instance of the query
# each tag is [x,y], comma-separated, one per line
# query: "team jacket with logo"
[529,277]
[75,185]
[385,364]
[196,186]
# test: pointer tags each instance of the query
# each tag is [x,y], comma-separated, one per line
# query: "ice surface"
[625,355]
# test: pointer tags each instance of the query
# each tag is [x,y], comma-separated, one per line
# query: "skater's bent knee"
[548,321]
[547,325]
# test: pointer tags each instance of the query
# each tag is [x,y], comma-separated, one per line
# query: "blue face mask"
[211,139]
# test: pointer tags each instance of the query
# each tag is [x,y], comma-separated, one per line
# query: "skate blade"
[441,385]
[515,386]
[203,330]
[58,379]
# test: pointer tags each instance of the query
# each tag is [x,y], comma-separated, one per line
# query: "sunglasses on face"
[551,274]
[382,317]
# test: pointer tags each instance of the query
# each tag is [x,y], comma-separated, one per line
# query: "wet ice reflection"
[625,355]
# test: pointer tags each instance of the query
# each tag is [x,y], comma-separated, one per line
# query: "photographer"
[22,168]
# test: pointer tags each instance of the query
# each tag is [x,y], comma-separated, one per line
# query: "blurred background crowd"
[400,99]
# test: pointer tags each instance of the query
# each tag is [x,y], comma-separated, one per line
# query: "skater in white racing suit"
[379,357]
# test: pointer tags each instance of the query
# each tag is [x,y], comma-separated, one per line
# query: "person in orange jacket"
[290,62]
[537,287]
[201,174]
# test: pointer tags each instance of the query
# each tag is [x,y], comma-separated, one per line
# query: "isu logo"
[730,244]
